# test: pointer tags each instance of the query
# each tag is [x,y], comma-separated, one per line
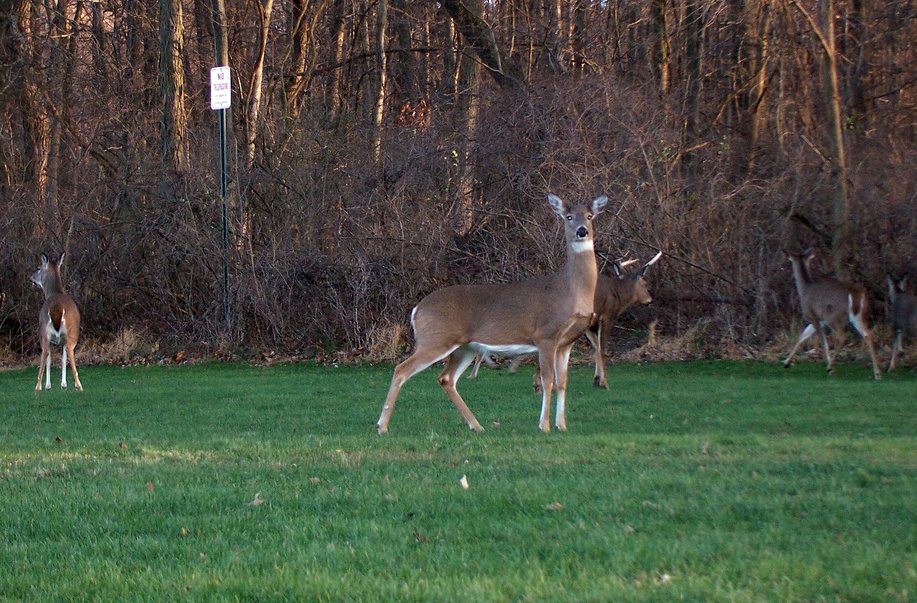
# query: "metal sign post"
[220,100]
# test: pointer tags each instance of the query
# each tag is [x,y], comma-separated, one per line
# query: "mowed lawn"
[699,481]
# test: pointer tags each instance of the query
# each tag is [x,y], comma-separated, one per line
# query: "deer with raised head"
[58,323]
[613,295]
[544,315]
[904,313]
[828,302]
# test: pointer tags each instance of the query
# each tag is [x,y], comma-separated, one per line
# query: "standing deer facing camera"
[58,323]
[827,302]
[544,315]
[904,312]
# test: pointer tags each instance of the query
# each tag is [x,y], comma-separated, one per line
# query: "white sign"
[220,88]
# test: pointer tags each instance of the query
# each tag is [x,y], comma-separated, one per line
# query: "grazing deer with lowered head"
[58,323]
[544,315]
[827,302]
[613,295]
[904,312]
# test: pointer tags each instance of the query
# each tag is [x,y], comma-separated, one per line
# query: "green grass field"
[701,481]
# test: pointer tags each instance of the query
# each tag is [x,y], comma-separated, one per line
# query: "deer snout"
[582,232]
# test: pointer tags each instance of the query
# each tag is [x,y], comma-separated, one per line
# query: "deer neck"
[52,285]
[580,275]
[801,277]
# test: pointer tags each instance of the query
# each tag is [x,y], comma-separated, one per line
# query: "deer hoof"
[381,430]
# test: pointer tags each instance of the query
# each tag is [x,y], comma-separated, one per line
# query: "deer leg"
[48,370]
[896,347]
[597,339]
[41,366]
[806,333]
[63,367]
[546,362]
[417,362]
[562,363]
[456,364]
[536,380]
[477,364]
[76,375]
[860,325]
[823,335]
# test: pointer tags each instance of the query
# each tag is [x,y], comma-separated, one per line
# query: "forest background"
[382,149]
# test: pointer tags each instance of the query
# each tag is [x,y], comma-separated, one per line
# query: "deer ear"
[60,260]
[599,203]
[902,282]
[44,260]
[808,253]
[557,204]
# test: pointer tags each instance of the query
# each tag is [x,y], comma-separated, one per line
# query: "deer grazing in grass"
[544,315]
[827,302]
[58,323]
[613,295]
[904,313]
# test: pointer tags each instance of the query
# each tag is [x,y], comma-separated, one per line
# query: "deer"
[828,302]
[58,323]
[613,295]
[544,315]
[904,313]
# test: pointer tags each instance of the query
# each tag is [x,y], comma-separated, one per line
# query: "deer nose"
[581,232]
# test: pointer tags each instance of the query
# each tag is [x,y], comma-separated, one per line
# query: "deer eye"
[589,217]
[569,217]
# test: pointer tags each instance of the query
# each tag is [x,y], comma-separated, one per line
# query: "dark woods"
[381,149]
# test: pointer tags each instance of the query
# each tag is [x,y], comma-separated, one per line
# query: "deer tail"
[56,312]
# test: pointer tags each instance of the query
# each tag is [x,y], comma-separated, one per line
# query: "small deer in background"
[827,302]
[613,295]
[544,315]
[58,323]
[904,312]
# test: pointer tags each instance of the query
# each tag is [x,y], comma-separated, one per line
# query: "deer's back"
[496,314]
[827,299]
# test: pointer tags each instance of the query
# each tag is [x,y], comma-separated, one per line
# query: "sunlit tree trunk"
[172,127]
[382,68]
[253,109]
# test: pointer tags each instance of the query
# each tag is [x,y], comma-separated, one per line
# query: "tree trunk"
[336,76]
[36,123]
[253,110]
[661,45]
[478,34]
[469,100]
[381,66]
[172,128]
[841,245]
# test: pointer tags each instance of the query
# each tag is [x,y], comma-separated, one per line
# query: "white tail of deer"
[613,295]
[904,313]
[58,323]
[544,315]
[827,302]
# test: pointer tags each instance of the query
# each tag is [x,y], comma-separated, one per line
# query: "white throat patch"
[582,246]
